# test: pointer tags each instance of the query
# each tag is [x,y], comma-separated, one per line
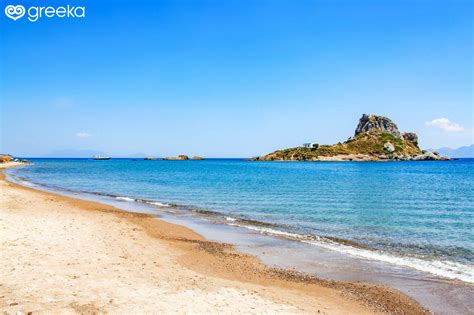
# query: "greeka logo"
[16,12]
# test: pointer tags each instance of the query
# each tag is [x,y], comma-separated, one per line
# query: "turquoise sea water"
[414,214]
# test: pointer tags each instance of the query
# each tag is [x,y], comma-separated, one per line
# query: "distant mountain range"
[462,152]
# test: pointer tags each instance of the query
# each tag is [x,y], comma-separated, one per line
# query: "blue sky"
[233,78]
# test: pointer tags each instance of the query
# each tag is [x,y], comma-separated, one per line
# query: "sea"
[409,225]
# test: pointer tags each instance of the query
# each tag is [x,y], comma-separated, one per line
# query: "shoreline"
[210,260]
[444,270]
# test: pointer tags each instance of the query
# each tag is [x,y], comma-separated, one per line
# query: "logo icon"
[15,12]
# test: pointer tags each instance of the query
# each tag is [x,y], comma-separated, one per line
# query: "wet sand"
[66,255]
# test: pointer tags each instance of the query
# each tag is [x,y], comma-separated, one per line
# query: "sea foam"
[128,199]
[159,204]
[447,269]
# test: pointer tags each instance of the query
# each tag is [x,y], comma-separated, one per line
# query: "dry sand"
[65,255]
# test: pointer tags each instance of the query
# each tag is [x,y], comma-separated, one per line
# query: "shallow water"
[284,244]
[439,295]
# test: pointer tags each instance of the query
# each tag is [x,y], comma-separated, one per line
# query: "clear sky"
[233,78]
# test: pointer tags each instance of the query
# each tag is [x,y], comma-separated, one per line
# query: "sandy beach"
[65,255]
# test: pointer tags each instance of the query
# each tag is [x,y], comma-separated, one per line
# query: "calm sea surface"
[413,214]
